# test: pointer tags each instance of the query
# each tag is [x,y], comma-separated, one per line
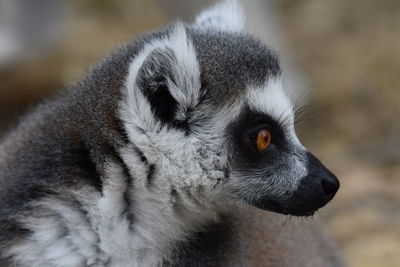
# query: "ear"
[225,16]
[163,83]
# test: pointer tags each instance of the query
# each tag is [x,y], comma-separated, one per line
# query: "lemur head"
[206,106]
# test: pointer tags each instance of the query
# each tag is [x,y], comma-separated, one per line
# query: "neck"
[144,213]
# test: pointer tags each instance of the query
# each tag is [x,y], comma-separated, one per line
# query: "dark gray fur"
[231,62]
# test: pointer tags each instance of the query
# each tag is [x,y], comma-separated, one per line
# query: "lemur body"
[149,161]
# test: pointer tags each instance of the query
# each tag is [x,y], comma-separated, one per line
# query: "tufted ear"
[225,16]
[163,83]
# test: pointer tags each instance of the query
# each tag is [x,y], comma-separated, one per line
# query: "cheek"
[277,175]
[247,160]
[290,168]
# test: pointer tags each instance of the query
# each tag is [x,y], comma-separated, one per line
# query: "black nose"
[330,186]
[315,190]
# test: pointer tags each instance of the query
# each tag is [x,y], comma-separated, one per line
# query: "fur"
[146,160]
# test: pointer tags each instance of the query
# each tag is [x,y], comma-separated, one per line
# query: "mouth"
[312,193]
[303,202]
[282,207]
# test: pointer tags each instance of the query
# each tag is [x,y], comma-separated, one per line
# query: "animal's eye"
[263,140]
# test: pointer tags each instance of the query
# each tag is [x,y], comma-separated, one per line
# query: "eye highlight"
[263,140]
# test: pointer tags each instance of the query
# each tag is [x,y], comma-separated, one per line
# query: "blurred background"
[345,54]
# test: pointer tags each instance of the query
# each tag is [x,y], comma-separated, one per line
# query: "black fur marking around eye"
[244,150]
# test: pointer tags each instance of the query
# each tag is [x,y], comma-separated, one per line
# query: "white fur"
[185,164]
[101,234]
[61,236]
[157,226]
[136,108]
[225,16]
[273,100]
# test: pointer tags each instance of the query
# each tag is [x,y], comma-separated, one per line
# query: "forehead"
[271,99]
[236,67]
[267,104]
[232,62]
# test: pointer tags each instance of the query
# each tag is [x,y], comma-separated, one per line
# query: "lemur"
[165,154]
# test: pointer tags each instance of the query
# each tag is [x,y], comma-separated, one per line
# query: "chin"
[305,201]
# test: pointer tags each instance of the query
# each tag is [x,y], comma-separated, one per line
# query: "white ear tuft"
[225,16]
[169,62]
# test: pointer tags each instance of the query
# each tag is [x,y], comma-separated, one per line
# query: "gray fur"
[138,164]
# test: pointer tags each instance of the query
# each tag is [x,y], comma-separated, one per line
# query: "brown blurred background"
[347,51]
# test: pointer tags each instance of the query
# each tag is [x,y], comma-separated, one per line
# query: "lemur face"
[270,169]
[206,105]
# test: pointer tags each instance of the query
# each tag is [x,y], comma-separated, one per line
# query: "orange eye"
[263,140]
